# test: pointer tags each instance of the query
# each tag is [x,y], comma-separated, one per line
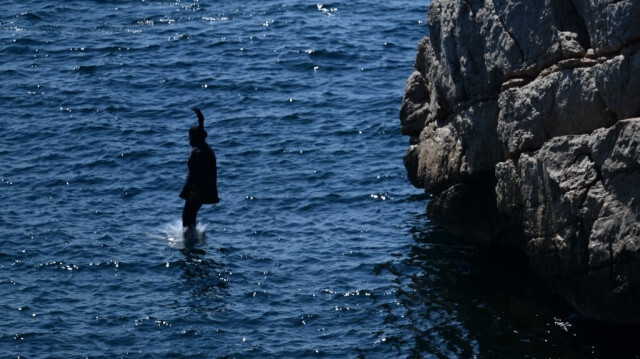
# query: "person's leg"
[190,212]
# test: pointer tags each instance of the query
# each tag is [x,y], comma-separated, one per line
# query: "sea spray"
[180,238]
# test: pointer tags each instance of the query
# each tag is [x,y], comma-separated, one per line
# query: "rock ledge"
[524,124]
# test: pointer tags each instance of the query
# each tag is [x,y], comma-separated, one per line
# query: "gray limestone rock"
[578,198]
[520,118]
[465,146]
[618,81]
[415,105]
[610,24]
[565,102]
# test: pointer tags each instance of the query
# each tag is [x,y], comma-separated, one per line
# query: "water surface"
[320,246]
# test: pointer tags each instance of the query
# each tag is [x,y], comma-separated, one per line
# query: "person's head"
[197,134]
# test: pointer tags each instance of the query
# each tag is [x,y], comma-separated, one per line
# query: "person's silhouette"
[201,185]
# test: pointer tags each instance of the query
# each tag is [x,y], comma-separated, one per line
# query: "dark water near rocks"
[320,247]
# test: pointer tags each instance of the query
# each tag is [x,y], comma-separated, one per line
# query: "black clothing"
[201,185]
[190,212]
[203,175]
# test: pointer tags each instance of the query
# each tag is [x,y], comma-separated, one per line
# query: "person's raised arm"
[200,117]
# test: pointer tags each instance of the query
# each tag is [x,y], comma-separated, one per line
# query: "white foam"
[178,238]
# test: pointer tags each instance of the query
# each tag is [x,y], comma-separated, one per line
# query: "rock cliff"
[522,117]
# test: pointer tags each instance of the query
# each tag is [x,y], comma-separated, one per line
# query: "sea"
[320,246]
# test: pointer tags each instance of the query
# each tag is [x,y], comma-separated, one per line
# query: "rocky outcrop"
[522,124]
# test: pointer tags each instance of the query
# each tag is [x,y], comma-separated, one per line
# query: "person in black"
[201,185]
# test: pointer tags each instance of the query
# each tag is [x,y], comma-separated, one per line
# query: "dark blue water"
[320,246]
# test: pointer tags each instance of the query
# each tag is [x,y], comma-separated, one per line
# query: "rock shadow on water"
[468,300]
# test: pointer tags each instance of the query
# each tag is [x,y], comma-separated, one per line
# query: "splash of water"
[179,238]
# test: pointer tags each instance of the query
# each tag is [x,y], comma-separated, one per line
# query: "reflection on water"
[205,276]
[205,279]
[205,283]
[465,300]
